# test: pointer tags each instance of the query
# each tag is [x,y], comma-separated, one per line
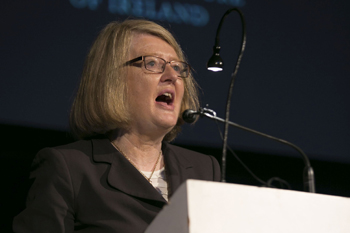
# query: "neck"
[141,150]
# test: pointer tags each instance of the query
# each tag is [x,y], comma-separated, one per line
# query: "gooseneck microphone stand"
[308,176]
[216,61]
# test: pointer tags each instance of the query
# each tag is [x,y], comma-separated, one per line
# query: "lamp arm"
[233,76]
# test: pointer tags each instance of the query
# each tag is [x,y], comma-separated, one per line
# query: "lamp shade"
[215,62]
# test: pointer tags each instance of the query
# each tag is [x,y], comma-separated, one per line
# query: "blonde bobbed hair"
[100,105]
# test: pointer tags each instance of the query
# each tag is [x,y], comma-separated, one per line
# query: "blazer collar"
[126,178]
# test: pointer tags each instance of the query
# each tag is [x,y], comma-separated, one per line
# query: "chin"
[168,125]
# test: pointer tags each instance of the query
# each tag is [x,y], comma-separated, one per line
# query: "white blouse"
[158,180]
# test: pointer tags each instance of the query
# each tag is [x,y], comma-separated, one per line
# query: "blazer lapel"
[176,168]
[122,174]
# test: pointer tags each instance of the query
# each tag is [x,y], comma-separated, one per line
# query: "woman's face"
[154,99]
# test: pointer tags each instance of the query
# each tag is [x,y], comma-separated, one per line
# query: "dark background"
[293,82]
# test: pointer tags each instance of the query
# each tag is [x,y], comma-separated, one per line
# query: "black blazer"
[88,186]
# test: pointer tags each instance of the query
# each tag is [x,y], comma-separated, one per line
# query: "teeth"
[168,95]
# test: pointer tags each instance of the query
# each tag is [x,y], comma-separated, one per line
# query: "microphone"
[190,115]
[308,174]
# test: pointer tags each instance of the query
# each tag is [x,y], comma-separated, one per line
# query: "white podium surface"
[203,206]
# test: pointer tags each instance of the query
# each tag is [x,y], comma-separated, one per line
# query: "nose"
[169,74]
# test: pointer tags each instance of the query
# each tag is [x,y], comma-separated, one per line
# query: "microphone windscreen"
[189,116]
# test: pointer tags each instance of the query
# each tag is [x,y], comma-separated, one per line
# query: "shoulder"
[78,152]
[82,147]
[200,163]
[81,153]
[189,154]
[75,162]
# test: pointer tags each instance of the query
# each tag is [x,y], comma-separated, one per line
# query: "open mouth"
[165,98]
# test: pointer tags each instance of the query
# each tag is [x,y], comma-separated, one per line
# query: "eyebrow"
[161,56]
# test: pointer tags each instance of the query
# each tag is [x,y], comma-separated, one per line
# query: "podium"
[205,206]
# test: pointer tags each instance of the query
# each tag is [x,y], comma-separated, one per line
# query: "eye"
[177,66]
[151,63]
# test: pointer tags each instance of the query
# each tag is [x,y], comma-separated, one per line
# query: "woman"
[134,87]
